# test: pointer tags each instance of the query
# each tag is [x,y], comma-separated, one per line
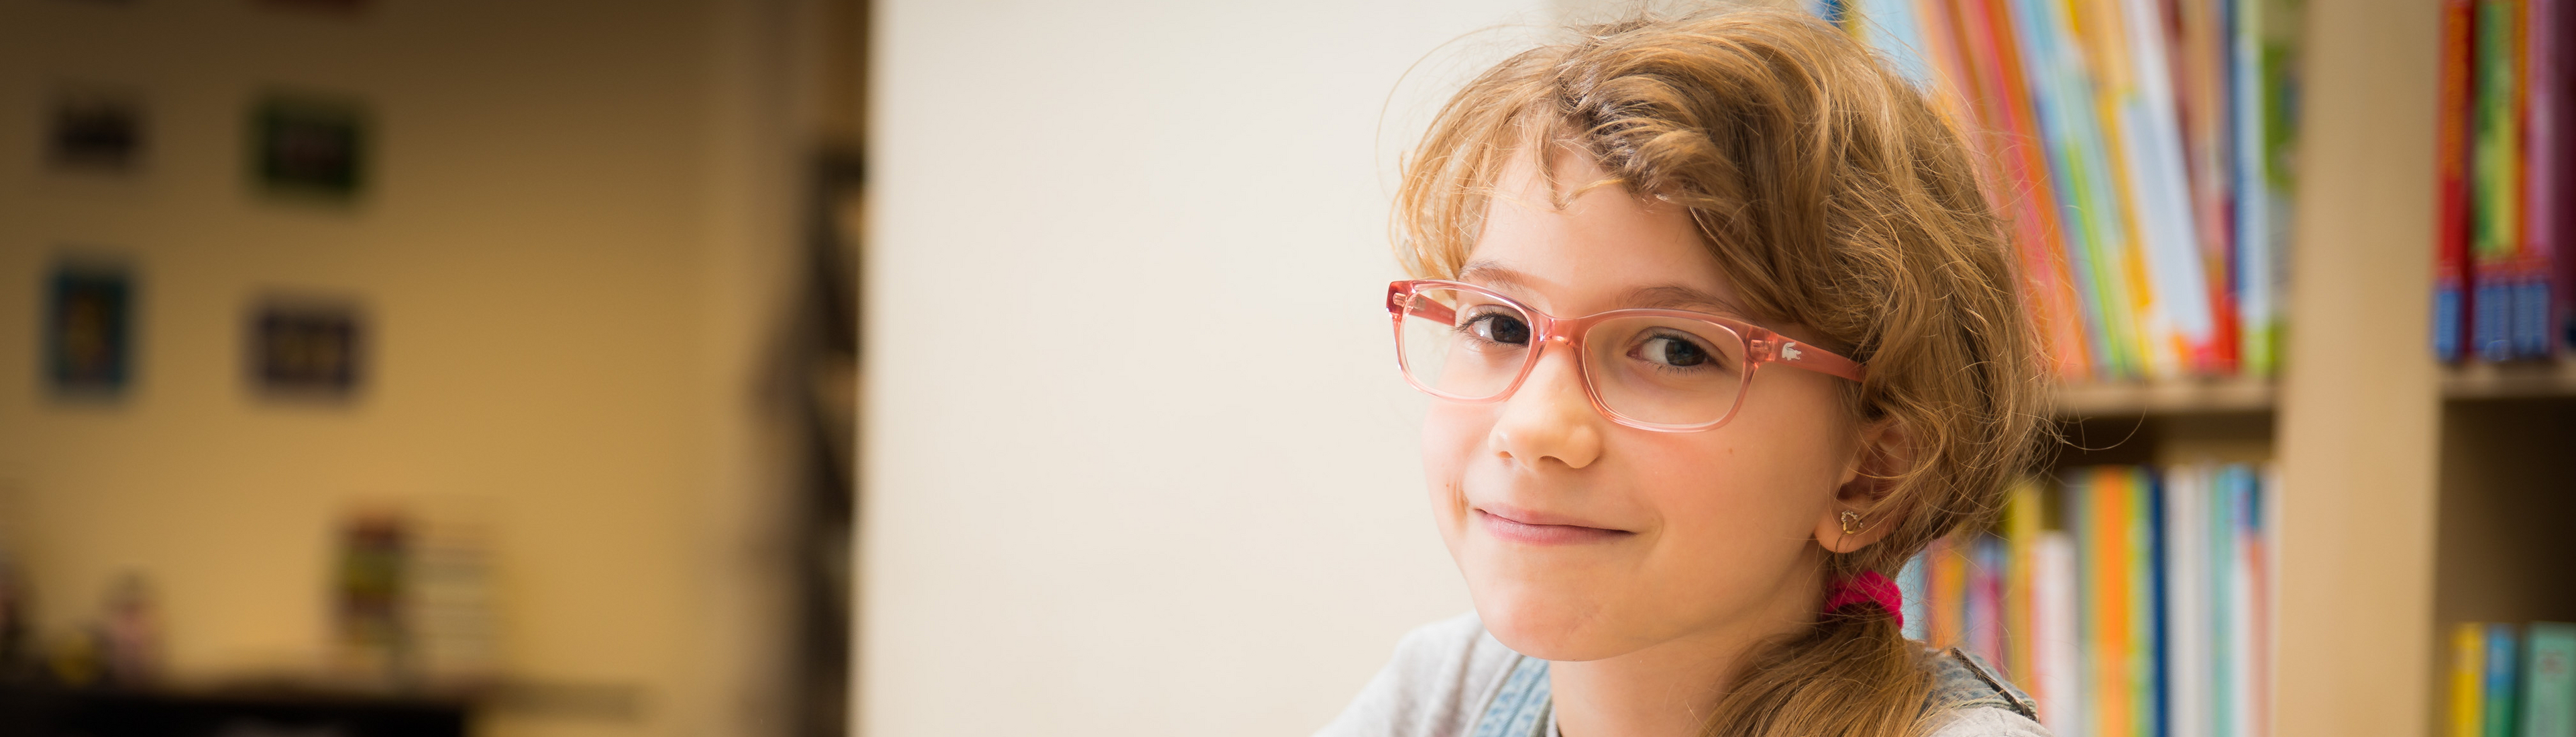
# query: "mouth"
[1532,528]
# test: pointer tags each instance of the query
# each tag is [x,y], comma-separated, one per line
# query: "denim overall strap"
[1962,681]
[1523,708]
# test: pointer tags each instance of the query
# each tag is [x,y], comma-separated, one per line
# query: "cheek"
[1769,472]
[1731,494]
[1452,436]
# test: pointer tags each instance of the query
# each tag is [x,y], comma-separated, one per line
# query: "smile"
[1518,526]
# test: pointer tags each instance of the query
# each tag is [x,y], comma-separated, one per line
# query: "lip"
[1538,528]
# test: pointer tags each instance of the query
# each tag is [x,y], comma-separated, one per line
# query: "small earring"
[1851,523]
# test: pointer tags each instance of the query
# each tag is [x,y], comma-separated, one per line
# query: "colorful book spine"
[2468,680]
[2144,612]
[2267,125]
[2161,191]
[1948,568]
[2200,83]
[2187,610]
[2498,695]
[2137,150]
[2022,527]
[2056,645]
[2452,145]
[2022,178]
[2549,680]
[1912,583]
[2146,615]
[1985,613]
[2545,175]
[2497,183]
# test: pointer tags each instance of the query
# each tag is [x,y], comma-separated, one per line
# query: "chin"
[1548,620]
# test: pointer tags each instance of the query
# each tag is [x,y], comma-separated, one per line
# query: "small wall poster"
[309,146]
[93,130]
[89,329]
[306,349]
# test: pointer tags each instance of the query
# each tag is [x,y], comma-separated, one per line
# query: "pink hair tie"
[1870,587]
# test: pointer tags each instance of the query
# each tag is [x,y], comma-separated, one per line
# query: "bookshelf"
[2414,495]
[2112,399]
[2521,380]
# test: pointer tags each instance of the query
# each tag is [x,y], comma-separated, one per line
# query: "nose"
[1550,417]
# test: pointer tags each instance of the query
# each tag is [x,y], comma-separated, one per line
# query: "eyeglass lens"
[1651,369]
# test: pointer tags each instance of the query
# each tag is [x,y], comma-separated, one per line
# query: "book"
[2266,89]
[1912,585]
[2055,644]
[2144,612]
[2496,184]
[2179,314]
[2452,146]
[2497,695]
[2468,680]
[2546,168]
[2186,488]
[2549,680]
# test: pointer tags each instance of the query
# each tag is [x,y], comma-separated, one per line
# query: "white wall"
[1136,457]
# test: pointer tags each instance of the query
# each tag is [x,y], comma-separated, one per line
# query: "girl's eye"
[1498,327]
[1671,350]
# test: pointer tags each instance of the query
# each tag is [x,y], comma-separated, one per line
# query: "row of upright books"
[2509,683]
[2501,289]
[2140,152]
[2129,601]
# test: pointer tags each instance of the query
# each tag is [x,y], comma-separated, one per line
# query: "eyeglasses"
[1661,370]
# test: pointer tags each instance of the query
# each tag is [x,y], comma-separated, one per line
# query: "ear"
[1883,451]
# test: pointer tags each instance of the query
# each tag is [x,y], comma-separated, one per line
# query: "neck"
[1669,689]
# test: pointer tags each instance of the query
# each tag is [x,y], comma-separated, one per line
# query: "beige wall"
[566,258]
[1137,460]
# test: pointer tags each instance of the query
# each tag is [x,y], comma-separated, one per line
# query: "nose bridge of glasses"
[1567,349]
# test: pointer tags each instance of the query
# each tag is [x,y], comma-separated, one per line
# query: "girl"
[1722,331]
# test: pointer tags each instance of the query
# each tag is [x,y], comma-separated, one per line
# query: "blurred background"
[490,359]
[393,368]
[893,367]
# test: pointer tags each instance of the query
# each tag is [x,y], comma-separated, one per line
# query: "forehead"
[1571,248]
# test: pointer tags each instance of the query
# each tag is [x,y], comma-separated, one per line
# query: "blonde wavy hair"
[1836,198]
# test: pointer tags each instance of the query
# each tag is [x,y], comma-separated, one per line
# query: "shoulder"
[1969,698]
[1440,673]
[1985,721]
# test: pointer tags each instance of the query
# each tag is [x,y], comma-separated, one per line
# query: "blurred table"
[34,711]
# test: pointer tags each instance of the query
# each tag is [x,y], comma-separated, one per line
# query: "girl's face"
[1583,539]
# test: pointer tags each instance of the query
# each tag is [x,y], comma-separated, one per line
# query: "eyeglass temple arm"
[1780,349]
[1399,303]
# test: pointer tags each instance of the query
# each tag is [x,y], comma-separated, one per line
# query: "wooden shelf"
[2197,396]
[2521,379]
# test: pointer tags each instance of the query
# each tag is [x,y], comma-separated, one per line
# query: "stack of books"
[2129,601]
[2139,151]
[2501,292]
[2508,686]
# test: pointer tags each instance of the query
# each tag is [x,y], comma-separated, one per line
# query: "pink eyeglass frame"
[1761,346]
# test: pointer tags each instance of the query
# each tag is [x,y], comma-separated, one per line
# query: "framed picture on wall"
[88,334]
[306,348]
[310,147]
[95,130]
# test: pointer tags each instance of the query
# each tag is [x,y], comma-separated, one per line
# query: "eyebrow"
[1678,297]
[1664,296]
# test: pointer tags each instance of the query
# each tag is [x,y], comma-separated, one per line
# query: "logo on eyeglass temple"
[1788,351]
